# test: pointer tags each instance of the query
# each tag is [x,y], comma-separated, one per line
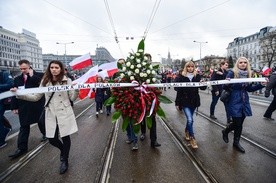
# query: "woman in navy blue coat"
[239,106]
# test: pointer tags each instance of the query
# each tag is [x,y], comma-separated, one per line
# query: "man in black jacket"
[28,112]
[271,86]
[220,74]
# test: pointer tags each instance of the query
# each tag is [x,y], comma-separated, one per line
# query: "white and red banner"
[110,67]
[81,62]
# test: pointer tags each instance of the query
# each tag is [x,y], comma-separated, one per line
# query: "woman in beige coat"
[59,116]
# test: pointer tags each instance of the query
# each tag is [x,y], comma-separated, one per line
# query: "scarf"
[242,73]
[190,76]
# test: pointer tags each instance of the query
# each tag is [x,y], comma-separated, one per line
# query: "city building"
[18,46]
[252,48]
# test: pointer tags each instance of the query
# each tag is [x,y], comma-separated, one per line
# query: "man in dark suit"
[28,112]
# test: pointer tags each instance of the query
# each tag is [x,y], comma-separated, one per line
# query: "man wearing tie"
[28,112]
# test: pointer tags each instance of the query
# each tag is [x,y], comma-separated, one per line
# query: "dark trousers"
[214,102]
[237,126]
[24,133]
[271,108]
[153,135]
[99,106]
[63,146]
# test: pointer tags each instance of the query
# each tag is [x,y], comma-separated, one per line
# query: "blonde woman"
[239,106]
[187,99]
[60,119]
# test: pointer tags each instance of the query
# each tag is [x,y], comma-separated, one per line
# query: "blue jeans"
[99,106]
[130,133]
[3,130]
[189,112]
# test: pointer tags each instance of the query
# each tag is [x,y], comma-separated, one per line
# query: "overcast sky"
[176,24]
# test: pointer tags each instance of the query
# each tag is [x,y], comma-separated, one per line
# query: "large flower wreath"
[137,103]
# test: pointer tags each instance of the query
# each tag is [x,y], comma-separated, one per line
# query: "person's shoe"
[142,137]
[97,114]
[155,144]
[3,144]
[63,166]
[44,138]
[213,117]
[239,147]
[135,146]
[193,143]
[187,136]
[225,136]
[128,141]
[269,118]
[101,111]
[17,153]
[107,114]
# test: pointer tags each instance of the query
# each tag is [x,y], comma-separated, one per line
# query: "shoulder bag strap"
[49,99]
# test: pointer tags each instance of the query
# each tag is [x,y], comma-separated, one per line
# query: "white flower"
[128,64]
[136,71]
[150,66]
[141,74]
[139,66]
[132,66]
[131,78]
[137,54]
[147,81]
[122,75]
[153,80]
[144,63]
[140,50]
[132,57]
[124,68]
[129,73]
[145,75]
[145,58]
[153,72]
[138,60]
[148,71]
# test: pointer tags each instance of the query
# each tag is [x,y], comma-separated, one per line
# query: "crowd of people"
[60,120]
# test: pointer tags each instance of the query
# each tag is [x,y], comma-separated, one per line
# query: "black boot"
[237,136]
[63,166]
[227,130]
[225,136]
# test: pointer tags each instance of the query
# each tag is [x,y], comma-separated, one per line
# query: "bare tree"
[268,47]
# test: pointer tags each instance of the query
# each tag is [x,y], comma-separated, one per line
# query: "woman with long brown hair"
[59,117]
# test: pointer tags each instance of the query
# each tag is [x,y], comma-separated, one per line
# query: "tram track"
[31,154]
[247,139]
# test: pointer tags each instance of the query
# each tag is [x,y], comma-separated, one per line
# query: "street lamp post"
[200,44]
[66,64]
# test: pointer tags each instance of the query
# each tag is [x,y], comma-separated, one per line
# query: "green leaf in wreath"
[155,67]
[109,101]
[149,122]
[119,65]
[116,116]
[136,128]
[164,99]
[160,112]
[125,123]
[141,45]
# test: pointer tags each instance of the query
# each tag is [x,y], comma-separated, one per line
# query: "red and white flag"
[110,67]
[266,70]
[81,62]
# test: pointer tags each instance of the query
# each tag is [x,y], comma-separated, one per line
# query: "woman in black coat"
[187,99]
